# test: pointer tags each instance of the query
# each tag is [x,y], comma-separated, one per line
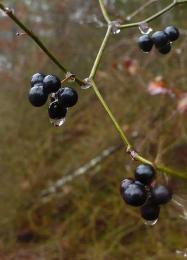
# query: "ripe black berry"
[165,49]
[124,184]
[150,211]
[51,84]
[37,97]
[56,110]
[145,43]
[68,97]
[172,33]
[37,79]
[139,183]
[145,173]
[135,195]
[160,194]
[160,39]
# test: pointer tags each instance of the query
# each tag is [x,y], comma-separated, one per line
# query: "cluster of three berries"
[161,39]
[145,193]
[61,98]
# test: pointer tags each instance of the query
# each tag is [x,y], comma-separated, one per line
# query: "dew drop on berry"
[150,222]
[144,28]
[58,122]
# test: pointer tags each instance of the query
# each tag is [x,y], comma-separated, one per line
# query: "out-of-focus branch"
[156,15]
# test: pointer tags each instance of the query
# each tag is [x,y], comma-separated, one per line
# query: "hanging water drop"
[87,83]
[58,122]
[182,253]
[70,76]
[144,28]
[150,222]
[115,27]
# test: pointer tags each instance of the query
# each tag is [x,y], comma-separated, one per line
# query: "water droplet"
[115,27]
[58,122]
[87,85]
[2,13]
[144,28]
[9,10]
[128,18]
[52,97]
[70,76]
[150,222]
[182,252]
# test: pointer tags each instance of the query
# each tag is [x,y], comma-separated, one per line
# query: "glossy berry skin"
[37,96]
[160,39]
[145,43]
[135,195]
[145,173]
[139,183]
[56,111]
[165,49]
[68,97]
[160,194]
[37,79]
[125,184]
[51,84]
[172,33]
[150,212]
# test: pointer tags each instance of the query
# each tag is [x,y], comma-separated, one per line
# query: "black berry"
[145,43]
[150,211]
[125,184]
[160,39]
[51,84]
[68,97]
[165,49]
[37,79]
[135,195]
[56,110]
[172,33]
[37,96]
[139,183]
[145,173]
[160,194]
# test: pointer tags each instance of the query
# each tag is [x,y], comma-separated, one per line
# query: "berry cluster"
[145,193]
[43,86]
[161,39]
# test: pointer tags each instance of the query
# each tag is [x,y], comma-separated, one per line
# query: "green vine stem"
[100,53]
[123,136]
[104,12]
[130,149]
[107,109]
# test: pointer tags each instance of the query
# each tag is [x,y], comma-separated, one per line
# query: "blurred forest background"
[85,218]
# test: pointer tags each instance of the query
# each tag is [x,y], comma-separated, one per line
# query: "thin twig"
[81,171]
[10,13]
[104,12]
[153,17]
[140,9]
[112,117]
[100,53]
